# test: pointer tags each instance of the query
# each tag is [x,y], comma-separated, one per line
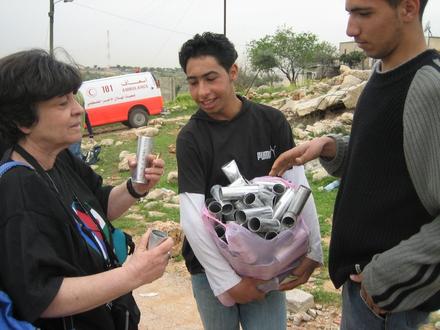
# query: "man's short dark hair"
[395,3]
[26,78]
[212,44]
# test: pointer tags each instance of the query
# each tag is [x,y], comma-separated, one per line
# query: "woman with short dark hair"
[58,263]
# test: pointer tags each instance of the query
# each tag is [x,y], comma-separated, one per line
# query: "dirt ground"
[168,303]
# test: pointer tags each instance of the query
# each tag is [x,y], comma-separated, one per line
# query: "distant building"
[433,42]
[351,46]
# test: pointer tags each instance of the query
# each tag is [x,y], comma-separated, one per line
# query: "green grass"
[326,298]
[324,201]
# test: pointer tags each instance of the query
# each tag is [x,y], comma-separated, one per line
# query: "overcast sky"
[150,32]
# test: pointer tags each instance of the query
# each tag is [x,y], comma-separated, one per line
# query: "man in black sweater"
[386,225]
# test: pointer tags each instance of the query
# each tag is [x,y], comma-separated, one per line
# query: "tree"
[286,50]
[325,56]
[353,58]
[262,58]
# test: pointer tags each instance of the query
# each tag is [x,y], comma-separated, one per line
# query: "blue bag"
[7,320]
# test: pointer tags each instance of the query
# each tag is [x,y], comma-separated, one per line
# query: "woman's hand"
[144,265]
[152,174]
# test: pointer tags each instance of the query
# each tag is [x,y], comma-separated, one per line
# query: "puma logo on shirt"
[264,155]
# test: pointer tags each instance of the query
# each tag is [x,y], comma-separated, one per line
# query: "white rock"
[106,142]
[312,312]
[299,300]
[156,194]
[353,93]
[298,133]
[306,317]
[147,131]
[319,174]
[151,205]
[349,81]
[305,107]
[296,320]
[161,194]
[123,154]
[346,118]
[171,206]
[344,69]
[135,216]
[156,214]
[172,177]
[175,199]
[123,165]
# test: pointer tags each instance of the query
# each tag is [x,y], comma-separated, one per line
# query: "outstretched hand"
[303,153]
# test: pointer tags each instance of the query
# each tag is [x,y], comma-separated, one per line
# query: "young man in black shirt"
[229,127]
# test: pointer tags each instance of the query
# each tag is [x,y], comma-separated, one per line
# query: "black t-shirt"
[40,243]
[254,139]
[3,148]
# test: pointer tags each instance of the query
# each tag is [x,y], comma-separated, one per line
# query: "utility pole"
[51,19]
[224,18]
[51,14]
[108,48]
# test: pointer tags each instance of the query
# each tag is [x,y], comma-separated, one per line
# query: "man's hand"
[301,154]
[366,297]
[302,274]
[246,291]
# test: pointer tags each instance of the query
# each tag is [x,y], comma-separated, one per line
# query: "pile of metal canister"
[263,206]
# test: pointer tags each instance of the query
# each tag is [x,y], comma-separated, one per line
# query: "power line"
[159,50]
[132,20]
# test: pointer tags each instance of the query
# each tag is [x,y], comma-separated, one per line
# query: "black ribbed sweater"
[377,206]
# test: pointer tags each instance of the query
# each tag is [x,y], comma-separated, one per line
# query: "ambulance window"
[156,81]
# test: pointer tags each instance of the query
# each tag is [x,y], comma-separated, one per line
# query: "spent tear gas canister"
[144,148]
[156,237]
[283,203]
[265,212]
[233,173]
[238,192]
[296,206]
[301,196]
[257,225]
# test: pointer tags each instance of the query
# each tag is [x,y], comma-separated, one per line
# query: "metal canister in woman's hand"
[144,148]
[156,237]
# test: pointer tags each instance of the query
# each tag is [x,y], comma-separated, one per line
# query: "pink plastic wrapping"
[252,256]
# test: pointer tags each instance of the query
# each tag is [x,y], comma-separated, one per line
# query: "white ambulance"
[129,99]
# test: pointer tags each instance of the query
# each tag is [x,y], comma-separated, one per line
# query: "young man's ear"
[409,10]
[233,72]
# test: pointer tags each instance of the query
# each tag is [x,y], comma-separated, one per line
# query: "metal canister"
[301,196]
[144,148]
[156,237]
